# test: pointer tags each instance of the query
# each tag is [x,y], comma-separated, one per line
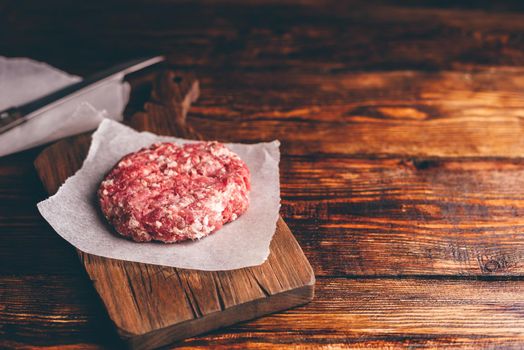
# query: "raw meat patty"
[171,193]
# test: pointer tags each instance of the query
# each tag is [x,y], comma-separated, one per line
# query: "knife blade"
[14,116]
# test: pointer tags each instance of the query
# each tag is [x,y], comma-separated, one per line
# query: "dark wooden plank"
[402,216]
[391,313]
[152,305]
[348,313]
[321,35]
[35,249]
[52,310]
[445,114]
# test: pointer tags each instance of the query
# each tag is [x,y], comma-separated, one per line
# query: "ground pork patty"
[171,193]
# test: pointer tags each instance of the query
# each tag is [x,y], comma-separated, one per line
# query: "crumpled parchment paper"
[23,80]
[74,213]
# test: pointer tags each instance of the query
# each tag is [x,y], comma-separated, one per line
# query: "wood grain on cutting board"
[153,305]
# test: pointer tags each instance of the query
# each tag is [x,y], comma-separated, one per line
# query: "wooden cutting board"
[154,305]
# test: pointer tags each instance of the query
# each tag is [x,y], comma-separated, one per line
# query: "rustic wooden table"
[402,172]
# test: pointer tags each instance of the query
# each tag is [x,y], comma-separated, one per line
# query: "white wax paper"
[23,80]
[74,213]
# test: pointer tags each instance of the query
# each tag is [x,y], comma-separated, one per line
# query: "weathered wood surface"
[329,35]
[406,113]
[386,312]
[401,129]
[153,306]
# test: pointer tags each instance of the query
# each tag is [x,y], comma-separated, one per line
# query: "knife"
[14,116]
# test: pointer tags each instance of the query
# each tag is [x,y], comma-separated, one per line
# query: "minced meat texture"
[171,193]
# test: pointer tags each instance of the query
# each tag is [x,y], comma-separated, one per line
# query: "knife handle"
[9,118]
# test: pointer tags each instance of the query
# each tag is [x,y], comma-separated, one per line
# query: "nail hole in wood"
[424,164]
